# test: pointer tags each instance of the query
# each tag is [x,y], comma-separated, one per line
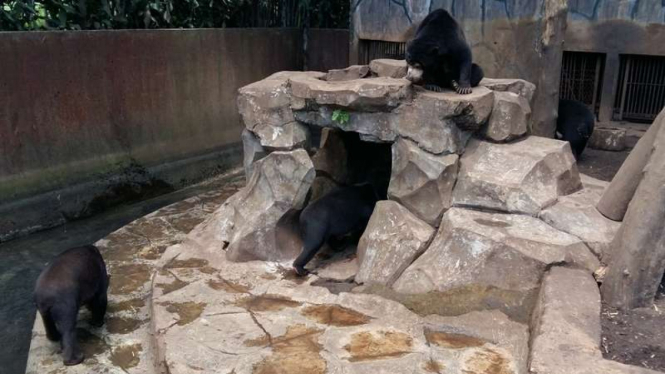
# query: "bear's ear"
[434,50]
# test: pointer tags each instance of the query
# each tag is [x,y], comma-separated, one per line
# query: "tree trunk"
[637,258]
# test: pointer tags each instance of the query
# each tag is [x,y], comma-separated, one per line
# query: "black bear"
[74,278]
[439,56]
[343,211]
[574,125]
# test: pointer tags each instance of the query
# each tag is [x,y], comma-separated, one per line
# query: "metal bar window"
[581,78]
[641,92]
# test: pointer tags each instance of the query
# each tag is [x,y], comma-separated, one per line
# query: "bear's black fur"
[439,56]
[74,278]
[343,211]
[575,125]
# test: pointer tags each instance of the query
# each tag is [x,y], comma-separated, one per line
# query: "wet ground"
[22,260]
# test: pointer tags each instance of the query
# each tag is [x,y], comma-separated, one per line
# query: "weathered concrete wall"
[614,28]
[87,117]
[509,38]
[327,49]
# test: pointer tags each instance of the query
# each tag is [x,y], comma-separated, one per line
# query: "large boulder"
[385,67]
[421,181]
[266,106]
[372,126]
[509,119]
[520,177]
[331,158]
[393,238]
[359,94]
[516,86]
[443,122]
[245,224]
[347,74]
[608,139]
[577,215]
[476,250]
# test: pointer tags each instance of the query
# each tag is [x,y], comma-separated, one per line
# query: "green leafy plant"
[340,116]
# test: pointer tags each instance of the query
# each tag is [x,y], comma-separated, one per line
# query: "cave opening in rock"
[343,158]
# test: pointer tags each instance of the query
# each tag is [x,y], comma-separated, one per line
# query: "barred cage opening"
[373,49]
[581,78]
[640,93]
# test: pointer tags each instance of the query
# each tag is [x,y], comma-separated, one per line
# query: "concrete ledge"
[133,182]
[565,327]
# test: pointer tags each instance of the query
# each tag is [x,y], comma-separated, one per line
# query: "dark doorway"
[640,92]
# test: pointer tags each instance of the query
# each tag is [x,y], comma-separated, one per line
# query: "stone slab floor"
[21,260]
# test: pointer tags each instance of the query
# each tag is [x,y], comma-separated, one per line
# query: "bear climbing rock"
[74,278]
[439,57]
[343,211]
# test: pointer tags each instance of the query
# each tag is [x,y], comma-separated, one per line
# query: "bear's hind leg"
[52,333]
[98,309]
[64,316]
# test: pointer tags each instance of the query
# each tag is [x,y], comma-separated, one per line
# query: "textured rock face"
[252,151]
[246,223]
[521,177]
[350,73]
[283,138]
[517,86]
[507,251]
[421,181]
[510,117]
[359,94]
[393,239]
[389,68]
[577,215]
[331,158]
[443,122]
[608,139]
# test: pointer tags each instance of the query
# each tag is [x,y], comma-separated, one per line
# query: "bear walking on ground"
[439,57]
[74,278]
[343,211]
[575,125]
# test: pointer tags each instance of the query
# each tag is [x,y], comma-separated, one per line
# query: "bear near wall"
[512,39]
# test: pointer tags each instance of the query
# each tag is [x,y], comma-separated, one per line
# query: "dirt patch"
[190,263]
[486,361]
[335,286]
[435,367]
[371,346]
[450,340]
[635,337]
[335,315]
[120,325]
[126,279]
[266,303]
[90,344]
[126,356]
[228,286]
[173,286]
[187,312]
[296,352]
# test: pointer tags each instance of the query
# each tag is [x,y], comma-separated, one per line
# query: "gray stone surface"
[608,139]
[385,67]
[509,119]
[359,94]
[252,151]
[245,224]
[421,181]
[254,318]
[517,86]
[330,160]
[393,238]
[577,215]
[506,251]
[443,122]
[283,138]
[520,177]
[347,74]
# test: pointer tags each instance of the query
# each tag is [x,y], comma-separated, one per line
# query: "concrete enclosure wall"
[84,115]
[615,28]
[327,49]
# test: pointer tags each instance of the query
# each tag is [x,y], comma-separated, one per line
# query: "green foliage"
[340,116]
[17,15]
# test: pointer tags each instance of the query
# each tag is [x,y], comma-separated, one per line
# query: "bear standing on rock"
[439,57]
[75,277]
